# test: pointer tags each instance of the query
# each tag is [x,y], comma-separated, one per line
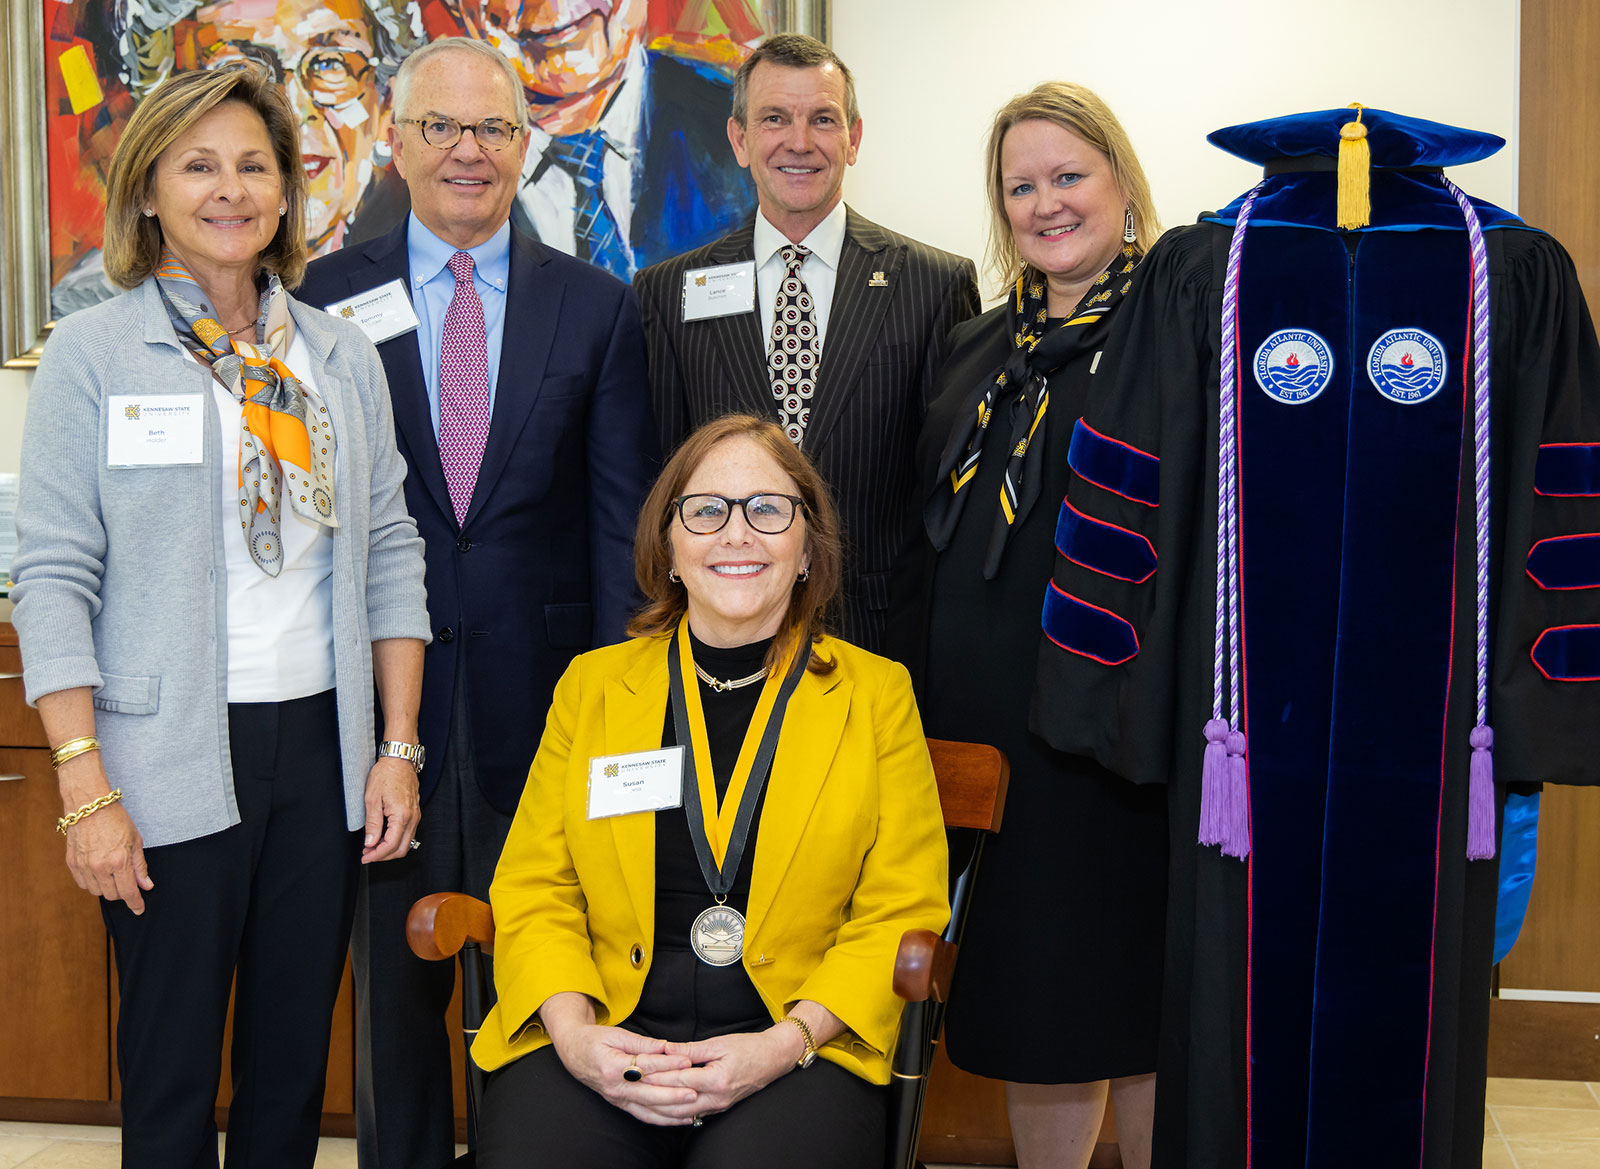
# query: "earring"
[284,210]
[1128,234]
[149,214]
[672,575]
[805,575]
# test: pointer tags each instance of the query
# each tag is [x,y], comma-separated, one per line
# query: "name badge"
[642,781]
[382,312]
[720,291]
[155,430]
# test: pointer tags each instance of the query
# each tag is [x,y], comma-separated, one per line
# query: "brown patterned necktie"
[793,356]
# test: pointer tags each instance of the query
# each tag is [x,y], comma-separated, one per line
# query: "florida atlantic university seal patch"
[1293,366]
[1406,365]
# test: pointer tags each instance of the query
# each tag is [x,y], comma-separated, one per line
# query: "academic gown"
[1326,1000]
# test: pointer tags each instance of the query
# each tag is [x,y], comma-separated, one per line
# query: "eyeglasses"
[330,75]
[443,132]
[334,76]
[769,513]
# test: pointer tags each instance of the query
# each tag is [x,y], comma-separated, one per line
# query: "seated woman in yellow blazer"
[730,821]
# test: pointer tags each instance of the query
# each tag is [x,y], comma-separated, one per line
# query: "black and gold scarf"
[1036,354]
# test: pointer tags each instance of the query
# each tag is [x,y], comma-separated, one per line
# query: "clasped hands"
[680,1081]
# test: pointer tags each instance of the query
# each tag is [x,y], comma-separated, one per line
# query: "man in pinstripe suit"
[849,325]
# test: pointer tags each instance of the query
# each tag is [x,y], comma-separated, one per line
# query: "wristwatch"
[810,1056]
[412,753]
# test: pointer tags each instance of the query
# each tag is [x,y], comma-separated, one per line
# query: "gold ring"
[632,1074]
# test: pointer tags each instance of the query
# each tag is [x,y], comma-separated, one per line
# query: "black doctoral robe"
[1327,999]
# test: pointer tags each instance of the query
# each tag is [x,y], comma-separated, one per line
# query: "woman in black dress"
[1059,987]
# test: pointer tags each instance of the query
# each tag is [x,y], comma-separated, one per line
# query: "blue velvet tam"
[1395,140]
[1300,153]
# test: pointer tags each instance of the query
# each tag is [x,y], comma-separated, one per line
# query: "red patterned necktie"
[792,360]
[463,388]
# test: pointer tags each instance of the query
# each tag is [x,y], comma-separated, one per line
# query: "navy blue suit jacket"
[542,567]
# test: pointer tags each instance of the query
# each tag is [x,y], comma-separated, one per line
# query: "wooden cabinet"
[57,982]
[53,947]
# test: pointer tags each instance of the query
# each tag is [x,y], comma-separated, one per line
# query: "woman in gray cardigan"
[215,567]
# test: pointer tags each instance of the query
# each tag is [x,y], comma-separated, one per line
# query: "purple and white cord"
[1224,774]
[1228,480]
[1480,802]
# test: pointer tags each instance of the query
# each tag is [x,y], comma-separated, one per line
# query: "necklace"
[719,685]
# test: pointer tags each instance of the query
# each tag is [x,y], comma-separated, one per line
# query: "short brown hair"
[666,601]
[1078,110]
[792,50]
[132,239]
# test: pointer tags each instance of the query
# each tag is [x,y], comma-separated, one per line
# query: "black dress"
[1060,972]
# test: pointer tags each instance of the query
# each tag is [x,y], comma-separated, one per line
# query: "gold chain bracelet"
[88,809]
[72,748]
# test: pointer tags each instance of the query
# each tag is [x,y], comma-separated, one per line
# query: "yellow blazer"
[850,852]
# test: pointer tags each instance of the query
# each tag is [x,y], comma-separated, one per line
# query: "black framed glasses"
[443,132]
[769,513]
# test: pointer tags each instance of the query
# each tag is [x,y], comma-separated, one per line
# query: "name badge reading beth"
[641,781]
[382,312]
[720,291]
[155,430]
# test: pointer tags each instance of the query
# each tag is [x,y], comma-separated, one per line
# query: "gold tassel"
[1355,165]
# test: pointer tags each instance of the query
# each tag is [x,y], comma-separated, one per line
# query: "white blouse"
[280,629]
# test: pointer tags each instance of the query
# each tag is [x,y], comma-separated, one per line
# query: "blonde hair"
[666,600]
[132,239]
[1079,111]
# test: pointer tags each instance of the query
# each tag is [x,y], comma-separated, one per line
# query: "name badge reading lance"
[155,430]
[642,781]
[720,291]
[382,312]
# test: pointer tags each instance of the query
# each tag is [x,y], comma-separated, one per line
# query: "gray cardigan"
[120,577]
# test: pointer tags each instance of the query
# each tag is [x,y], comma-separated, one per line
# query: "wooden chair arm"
[923,966]
[441,923]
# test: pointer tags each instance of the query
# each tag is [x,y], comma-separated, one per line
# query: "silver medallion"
[717,936]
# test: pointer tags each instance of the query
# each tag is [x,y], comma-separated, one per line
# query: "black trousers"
[536,1116]
[267,901]
[405,1115]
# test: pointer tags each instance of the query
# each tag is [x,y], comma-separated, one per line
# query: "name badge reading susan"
[641,781]
[719,291]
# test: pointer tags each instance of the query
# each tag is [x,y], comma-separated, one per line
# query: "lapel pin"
[878,281]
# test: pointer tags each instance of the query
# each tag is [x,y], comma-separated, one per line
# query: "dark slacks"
[404,1084]
[267,901]
[536,1116]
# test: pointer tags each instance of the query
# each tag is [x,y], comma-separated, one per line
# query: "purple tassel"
[1213,778]
[1480,796]
[1225,791]
[1236,800]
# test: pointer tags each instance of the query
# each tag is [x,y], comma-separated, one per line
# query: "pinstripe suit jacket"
[895,302]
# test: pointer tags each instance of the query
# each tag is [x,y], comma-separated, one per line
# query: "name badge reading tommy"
[641,781]
[155,430]
[382,312]
[720,291]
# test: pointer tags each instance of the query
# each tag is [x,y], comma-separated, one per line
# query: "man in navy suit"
[629,163]
[522,409]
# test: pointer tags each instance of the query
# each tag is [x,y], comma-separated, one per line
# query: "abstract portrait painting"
[628,161]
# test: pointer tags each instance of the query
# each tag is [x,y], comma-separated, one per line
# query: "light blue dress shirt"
[432,286]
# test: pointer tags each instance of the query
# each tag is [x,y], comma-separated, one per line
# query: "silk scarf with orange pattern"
[286,442]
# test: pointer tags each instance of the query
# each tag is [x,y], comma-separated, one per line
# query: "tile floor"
[1529,1124]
